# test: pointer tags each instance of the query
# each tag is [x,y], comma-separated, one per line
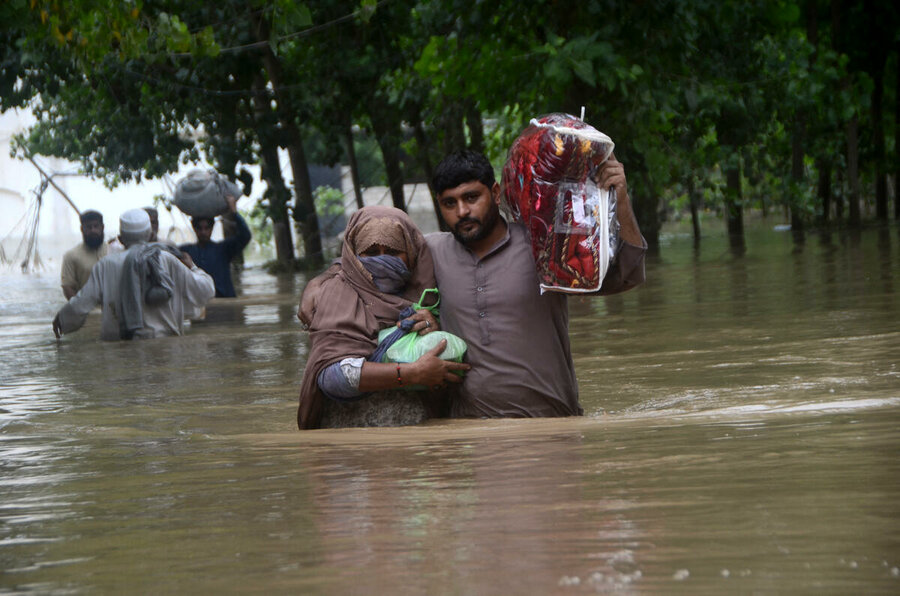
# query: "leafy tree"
[717,105]
[131,88]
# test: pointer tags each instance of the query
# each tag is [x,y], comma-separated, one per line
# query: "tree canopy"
[713,105]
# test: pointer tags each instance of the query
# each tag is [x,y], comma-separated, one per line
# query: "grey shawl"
[144,281]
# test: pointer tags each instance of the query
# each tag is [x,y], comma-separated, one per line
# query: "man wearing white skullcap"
[145,291]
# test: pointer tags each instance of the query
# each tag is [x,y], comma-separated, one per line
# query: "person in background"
[144,291]
[518,339]
[115,245]
[77,262]
[215,257]
[154,226]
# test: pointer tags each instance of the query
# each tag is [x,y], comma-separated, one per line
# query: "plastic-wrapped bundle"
[548,186]
[202,193]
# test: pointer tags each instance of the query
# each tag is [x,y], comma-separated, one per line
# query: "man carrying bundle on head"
[203,195]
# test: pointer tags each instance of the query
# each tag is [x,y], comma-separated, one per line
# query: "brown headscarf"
[343,308]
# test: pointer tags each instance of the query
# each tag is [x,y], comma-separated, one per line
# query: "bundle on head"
[547,186]
[201,193]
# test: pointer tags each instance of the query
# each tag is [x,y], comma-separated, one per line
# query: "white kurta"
[193,289]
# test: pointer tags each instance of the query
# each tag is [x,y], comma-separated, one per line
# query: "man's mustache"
[466,220]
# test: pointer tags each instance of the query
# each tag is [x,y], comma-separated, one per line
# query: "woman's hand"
[430,370]
[425,322]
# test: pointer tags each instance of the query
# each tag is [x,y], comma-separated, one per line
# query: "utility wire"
[302,33]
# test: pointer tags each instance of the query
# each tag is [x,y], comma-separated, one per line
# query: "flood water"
[742,435]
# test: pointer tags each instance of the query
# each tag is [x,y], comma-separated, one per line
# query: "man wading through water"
[145,291]
[215,257]
[518,339]
[78,262]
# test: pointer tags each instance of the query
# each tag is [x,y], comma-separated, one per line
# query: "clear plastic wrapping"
[548,185]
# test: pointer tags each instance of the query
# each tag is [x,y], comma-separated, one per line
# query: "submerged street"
[741,436]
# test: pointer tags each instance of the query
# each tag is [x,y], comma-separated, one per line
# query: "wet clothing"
[518,339]
[191,289]
[215,257]
[382,408]
[144,279]
[340,380]
[344,310]
[347,407]
[78,262]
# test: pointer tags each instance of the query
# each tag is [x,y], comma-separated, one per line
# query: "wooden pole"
[50,180]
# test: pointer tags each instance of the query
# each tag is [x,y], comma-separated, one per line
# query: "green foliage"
[258,221]
[501,129]
[133,88]
[329,201]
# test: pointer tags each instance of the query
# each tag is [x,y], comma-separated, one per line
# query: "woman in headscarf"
[384,267]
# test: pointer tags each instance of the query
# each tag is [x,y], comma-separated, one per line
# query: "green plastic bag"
[412,346]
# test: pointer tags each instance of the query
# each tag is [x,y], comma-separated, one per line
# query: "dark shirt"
[215,257]
[518,339]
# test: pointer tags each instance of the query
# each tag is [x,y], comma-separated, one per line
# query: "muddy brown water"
[742,435]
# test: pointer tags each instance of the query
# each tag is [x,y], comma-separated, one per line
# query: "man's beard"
[481,231]
[93,241]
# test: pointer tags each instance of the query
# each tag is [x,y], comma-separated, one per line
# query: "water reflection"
[438,514]
[886,258]
[261,314]
[740,437]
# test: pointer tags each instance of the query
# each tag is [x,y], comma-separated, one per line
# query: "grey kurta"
[193,289]
[518,339]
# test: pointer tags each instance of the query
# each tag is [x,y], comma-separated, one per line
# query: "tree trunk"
[270,171]
[734,208]
[853,171]
[852,125]
[354,167]
[839,197]
[279,197]
[451,125]
[812,29]
[424,153]
[695,209]
[823,185]
[387,135]
[425,159]
[645,203]
[897,137]
[646,212]
[304,207]
[824,189]
[798,139]
[881,200]
[476,128]
[878,46]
